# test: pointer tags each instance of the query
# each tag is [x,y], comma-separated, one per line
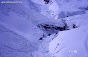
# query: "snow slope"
[19,31]
[21,35]
[74,42]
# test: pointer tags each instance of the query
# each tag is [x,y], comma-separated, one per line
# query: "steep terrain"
[44,28]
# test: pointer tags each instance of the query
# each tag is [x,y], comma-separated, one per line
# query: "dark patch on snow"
[49,34]
[50,29]
[74,26]
[46,1]
[67,16]
[41,38]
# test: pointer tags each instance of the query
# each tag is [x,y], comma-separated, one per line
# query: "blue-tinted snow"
[74,42]
[19,33]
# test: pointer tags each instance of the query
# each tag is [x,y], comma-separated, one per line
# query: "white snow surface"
[74,42]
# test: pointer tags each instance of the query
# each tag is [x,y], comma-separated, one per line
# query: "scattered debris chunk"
[41,38]
[74,26]
[46,1]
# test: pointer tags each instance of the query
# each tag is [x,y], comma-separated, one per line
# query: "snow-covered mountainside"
[44,28]
[74,42]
